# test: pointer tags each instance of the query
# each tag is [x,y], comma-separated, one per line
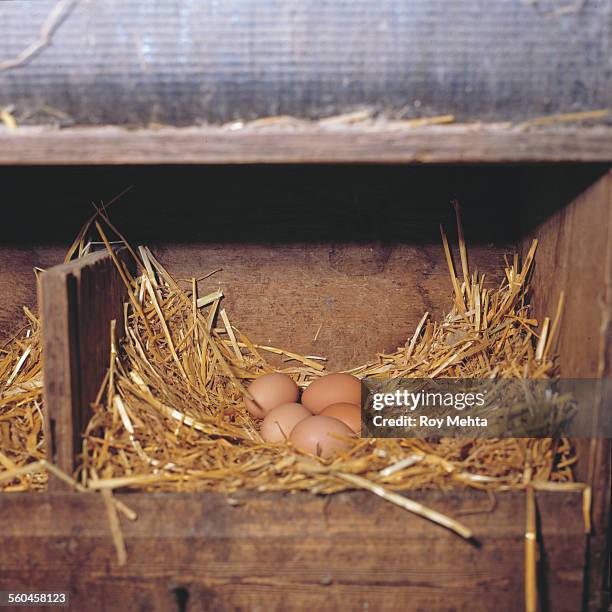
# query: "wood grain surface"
[18,281]
[78,300]
[575,256]
[211,145]
[361,299]
[343,302]
[350,551]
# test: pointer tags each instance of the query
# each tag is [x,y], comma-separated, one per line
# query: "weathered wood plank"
[364,298]
[575,256]
[298,552]
[77,302]
[212,145]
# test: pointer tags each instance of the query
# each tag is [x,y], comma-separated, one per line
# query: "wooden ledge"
[304,144]
[300,551]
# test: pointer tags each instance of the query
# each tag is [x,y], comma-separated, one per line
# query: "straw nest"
[21,417]
[170,414]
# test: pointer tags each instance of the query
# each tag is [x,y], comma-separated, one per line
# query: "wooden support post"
[77,302]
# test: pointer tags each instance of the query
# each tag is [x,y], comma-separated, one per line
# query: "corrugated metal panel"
[183,61]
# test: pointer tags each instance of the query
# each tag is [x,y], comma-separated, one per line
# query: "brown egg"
[280,421]
[349,414]
[270,391]
[332,389]
[317,435]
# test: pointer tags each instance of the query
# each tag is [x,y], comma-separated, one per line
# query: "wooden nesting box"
[349,250]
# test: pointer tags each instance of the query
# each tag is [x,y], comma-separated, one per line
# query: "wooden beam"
[301,552]
[78,300]
[216,145]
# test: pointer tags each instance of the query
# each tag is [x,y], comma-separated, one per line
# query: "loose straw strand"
[531,587]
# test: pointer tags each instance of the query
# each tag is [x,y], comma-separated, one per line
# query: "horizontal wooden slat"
[212,145]
[298,552]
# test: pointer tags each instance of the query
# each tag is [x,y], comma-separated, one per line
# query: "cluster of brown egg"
[322,423]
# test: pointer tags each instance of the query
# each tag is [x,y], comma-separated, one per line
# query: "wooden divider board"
[575,255]
[78,301]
